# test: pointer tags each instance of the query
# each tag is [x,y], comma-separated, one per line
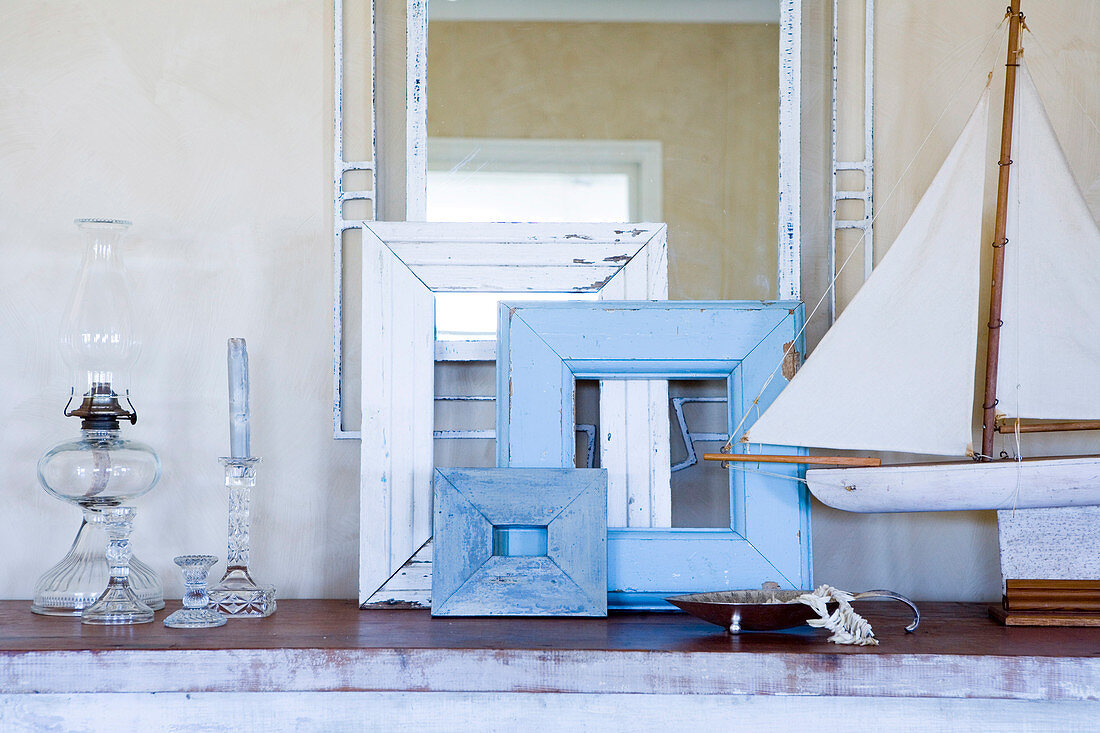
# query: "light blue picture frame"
[544,347]
[520,542]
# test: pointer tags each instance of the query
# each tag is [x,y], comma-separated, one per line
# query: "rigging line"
[856,247]
[798,479]
[1050,57]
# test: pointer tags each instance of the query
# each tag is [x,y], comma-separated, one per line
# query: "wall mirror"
[627,110]
[607,110]
[534,119]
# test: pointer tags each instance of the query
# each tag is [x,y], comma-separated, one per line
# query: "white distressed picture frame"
[404,264]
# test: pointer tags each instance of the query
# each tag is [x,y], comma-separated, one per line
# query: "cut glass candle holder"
[236,594]
[196,612]
[118,604]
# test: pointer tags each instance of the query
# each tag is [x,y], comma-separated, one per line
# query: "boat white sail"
[896,370]
[905,347]
[1050,341]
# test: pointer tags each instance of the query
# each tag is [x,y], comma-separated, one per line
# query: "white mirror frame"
[404,264]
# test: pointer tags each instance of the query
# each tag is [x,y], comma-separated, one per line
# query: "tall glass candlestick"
[236,594]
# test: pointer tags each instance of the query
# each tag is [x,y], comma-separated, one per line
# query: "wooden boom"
[1007,426]
[808,460]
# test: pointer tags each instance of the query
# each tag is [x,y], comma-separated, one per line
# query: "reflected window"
[533,180]
[543,180]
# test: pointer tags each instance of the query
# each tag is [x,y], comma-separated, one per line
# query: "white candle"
[239,429]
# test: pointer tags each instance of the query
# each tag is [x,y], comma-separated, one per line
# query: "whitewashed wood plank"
[475,257]
[402,390]
[790,152]
[374,494]
[613,450]
[397,233]
[568,253]
[515,278]
[634,448]
[878,675]
[398,378]
[406,599]
[456,712]
[421,409]
[634,426]
[414,575]
[547,443]
[416,110]
[411,577]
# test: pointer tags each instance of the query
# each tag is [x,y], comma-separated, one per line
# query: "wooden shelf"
[332,651]
[331,645]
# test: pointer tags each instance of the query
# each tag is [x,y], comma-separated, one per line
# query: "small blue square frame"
[542,348]
[476,507]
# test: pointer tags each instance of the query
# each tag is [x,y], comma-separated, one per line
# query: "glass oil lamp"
[100,471]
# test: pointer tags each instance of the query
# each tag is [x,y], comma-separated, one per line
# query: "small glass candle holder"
[196,612]
[118,604]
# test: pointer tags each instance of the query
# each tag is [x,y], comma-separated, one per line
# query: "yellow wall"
[709,93]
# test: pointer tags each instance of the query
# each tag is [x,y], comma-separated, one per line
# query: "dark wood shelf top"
[332,645]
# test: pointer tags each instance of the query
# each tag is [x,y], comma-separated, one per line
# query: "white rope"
[848,627]
[856,248]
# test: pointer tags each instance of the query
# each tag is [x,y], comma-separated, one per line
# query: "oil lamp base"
[78,579]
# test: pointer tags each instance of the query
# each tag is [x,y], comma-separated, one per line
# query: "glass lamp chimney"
[99,341]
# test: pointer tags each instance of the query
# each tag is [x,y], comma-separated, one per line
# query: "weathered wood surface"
[634,426]
[1044,617]
[544,347]
[958,652]
[404,263]
[460,712]
[569,579]
[398,415]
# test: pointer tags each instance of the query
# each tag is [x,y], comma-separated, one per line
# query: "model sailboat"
[896,372]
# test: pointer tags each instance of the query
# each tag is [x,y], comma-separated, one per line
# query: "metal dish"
[765,610]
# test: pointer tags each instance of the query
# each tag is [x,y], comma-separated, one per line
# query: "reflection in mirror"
[498,179]
[581,81]
[612,110]
[698,417]
[473,316]
[700,489]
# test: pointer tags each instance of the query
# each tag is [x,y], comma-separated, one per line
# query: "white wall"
[208,123]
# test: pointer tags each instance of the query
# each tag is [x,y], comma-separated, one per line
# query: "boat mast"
[989,404]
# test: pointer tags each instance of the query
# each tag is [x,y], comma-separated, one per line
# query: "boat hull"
[942,487]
